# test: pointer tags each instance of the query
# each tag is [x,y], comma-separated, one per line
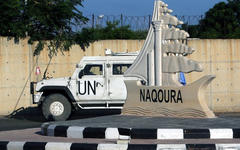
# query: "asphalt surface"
[14,124]
[120,121]
[33,135]
[33,118]
[26,127]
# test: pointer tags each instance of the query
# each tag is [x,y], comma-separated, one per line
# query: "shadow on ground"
[32,117]
[35,114]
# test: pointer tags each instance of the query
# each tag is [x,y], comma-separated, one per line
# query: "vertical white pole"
[151,66]
[157,25]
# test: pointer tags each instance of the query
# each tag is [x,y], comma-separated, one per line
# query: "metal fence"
[135,22]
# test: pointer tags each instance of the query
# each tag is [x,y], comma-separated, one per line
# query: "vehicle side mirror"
[81,74]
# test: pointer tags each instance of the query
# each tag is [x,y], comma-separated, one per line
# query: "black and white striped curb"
[123,133]
[77,146]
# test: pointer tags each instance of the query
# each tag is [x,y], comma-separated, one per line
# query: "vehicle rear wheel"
[56,107]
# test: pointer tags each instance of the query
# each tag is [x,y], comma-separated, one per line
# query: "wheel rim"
[56,108]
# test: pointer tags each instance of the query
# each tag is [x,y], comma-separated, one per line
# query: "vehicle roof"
[110,58]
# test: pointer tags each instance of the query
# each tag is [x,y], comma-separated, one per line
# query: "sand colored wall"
[220,58]
[15,66]
[18,67]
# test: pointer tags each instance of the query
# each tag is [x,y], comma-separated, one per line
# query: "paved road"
[120,121]
[14,124]
[32,118]
[33,135]
[29,126]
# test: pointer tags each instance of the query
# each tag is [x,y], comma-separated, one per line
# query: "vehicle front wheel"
[56,107]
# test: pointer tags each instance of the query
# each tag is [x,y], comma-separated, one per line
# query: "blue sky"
[145,7]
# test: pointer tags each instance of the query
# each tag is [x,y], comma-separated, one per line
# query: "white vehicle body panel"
[52,82]
[106,88]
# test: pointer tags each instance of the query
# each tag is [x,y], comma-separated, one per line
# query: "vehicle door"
[117,88]
[91,83]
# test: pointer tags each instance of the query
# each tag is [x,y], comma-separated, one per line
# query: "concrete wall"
[18,67]
[15,64]
[220,58]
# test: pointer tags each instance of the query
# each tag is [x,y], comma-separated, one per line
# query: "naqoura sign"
[160,96]
[186,101]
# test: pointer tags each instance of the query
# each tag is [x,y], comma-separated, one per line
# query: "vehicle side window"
[91,70]
[119,69]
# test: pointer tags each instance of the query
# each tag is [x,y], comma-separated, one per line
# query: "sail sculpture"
[161,59]
[173,48]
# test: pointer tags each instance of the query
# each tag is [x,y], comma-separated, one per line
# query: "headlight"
[37,97]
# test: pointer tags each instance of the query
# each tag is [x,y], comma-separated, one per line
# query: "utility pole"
[93,21]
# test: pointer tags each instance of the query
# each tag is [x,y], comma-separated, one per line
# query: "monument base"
[180,102]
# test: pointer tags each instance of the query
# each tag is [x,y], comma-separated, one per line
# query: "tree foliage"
[11,18]
[46,23]
[193,30]
[114,31]
[221,21]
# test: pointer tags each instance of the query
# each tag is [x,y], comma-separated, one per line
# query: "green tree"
[193,30]
[114,31]
[221,21]
[11,18]
[46,22]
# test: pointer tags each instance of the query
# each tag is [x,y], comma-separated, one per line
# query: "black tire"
[56,99]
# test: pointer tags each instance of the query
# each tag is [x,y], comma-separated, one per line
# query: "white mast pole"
[157,25]
[151,66]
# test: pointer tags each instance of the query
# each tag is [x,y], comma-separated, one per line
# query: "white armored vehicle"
[97,83]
